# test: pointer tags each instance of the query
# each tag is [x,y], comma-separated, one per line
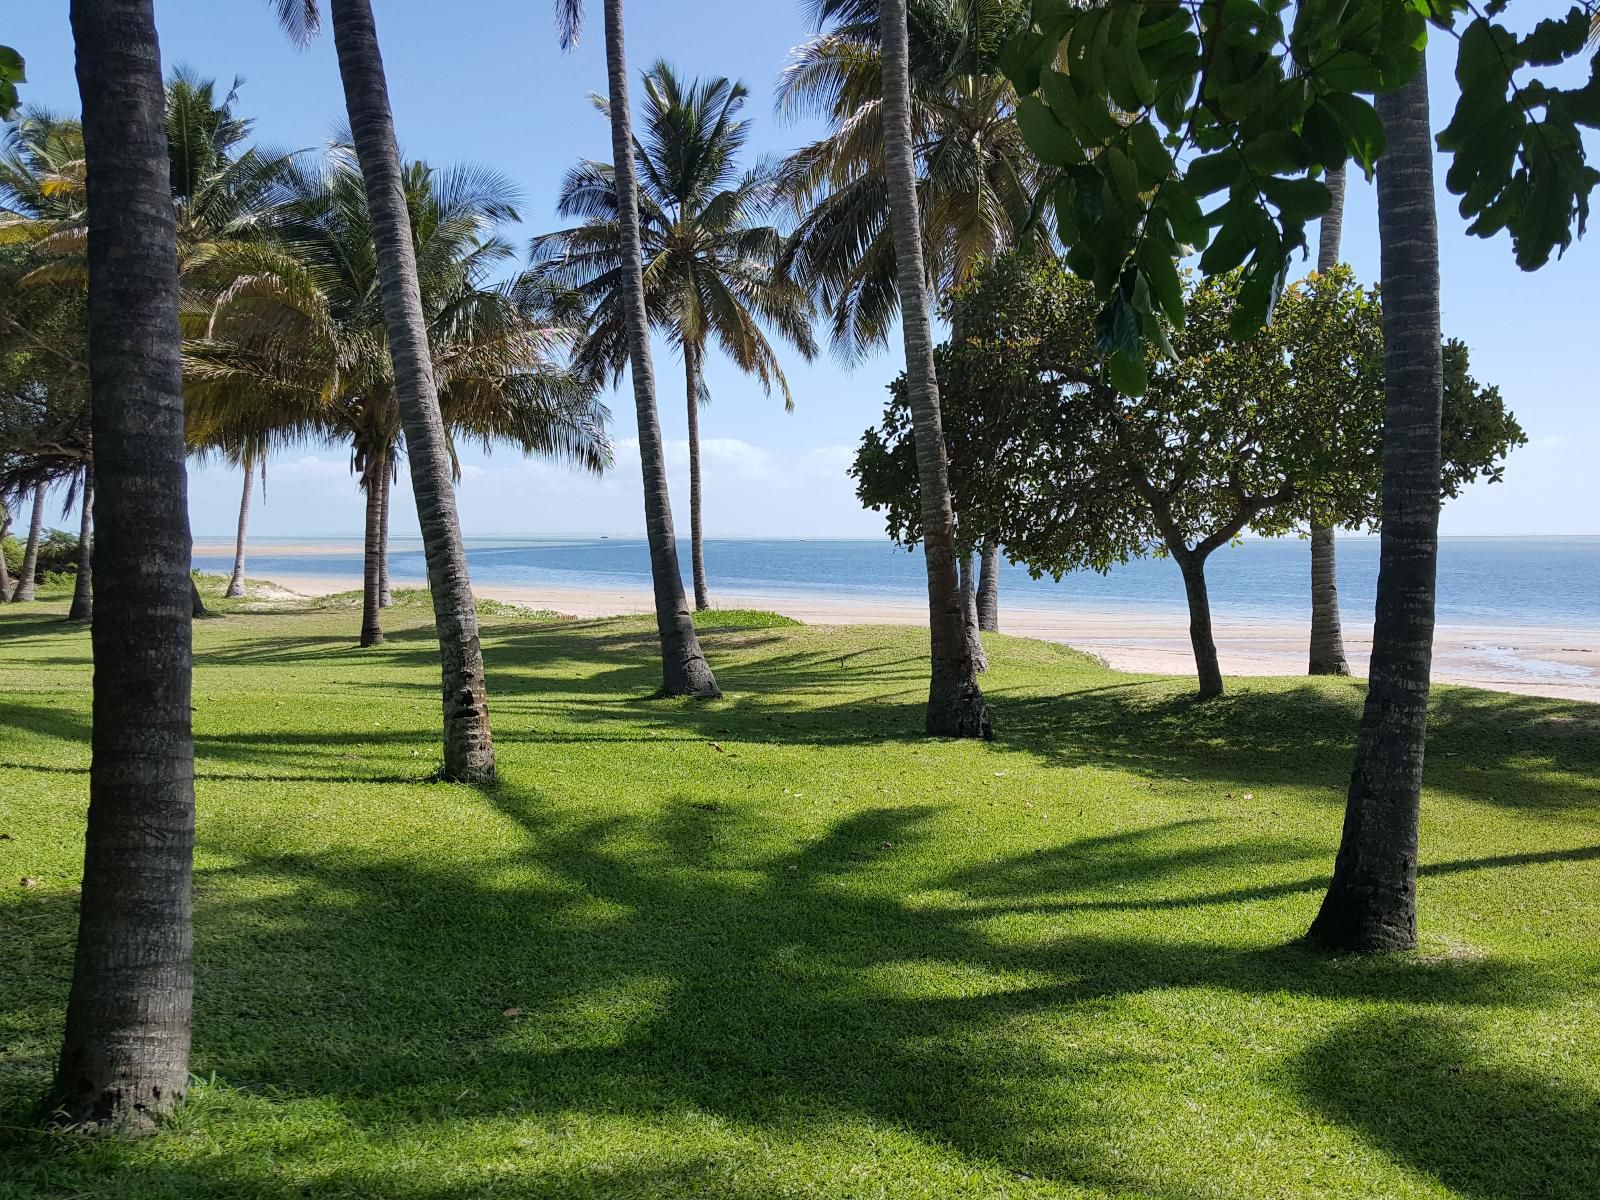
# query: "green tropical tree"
[708,257]
[468,743]
[297,345]
[124,1058]
[684,669]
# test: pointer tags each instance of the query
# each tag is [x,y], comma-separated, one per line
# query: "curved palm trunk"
[1371,902]
[83,587]
[968,584]
[684,669]
[955,701]
[30,554]
[468,746]
[124,1061]
[372,557]
[1327,638]
[236,582]
[385,490]
[697,554]
[989,586]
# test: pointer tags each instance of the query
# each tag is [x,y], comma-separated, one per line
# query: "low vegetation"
[779,944]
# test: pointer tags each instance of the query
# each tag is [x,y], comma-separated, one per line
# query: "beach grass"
[783,945]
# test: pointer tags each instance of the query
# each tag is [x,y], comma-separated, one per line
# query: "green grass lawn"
[783,945]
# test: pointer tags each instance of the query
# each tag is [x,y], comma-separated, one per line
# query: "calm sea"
[1550,581]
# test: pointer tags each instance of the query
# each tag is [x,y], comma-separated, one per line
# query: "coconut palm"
[297,345]
[708,259]
[685,671]
[468,744]
[1327,638]
[976,180]
[1371,901]
[124,1059]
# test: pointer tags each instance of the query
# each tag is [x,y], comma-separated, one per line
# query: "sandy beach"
[1562,663]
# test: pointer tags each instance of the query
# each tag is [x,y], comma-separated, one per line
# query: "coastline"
[1562,663]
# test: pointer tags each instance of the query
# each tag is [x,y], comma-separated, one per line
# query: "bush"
[58,554]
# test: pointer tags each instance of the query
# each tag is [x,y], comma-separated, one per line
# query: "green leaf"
[1165,283]
[1149,155]
[1363,128]
[1301,199]
[1046,136]
[1213,172]
[1129,375]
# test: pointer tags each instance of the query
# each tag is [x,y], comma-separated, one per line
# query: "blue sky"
[484,81]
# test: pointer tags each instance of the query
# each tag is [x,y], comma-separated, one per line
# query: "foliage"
[977,180]
[57,554]
[1150,109]
[708,253]
[1277,429]
[742,618]
[12,72]
[1070,954]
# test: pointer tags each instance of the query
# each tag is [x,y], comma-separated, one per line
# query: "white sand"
[1535,661]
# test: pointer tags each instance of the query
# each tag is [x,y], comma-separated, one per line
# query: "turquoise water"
[1528,581]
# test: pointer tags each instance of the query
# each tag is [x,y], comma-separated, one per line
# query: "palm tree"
[24,591]
[976,179]
[685,671]
[124,1060]
[708,263]
[1371,901]
[297,347]
[955,702]
[468,744]
[1327,639]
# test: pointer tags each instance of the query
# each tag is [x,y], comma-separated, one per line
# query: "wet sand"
[1535,661]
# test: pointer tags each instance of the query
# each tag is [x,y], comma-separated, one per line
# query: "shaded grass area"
[783,945]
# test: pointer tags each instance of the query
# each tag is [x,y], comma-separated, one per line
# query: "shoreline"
[1561,663]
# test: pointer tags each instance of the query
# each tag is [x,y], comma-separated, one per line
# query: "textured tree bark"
[1371,902]
[989,586]
[684,669]
[969,611]
[236,582]
[124,1060]
[30,553]
[955,702]
[1327,637]
[372,555]
[197,606]
[468,744]
[386,491]
[83,586]
[5,571]
[1207,669]
[691,367]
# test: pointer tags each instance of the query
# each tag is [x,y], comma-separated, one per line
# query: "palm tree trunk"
[236,582]
[1371,902]
[30,554]
[83,587]
[468,745]
[1207,669]
[5,571]
[1327,638]
[989,586]
[372,557]
[955,701]
[197,606]
[684,669]
[124,1061]
[697,554]
[969,609]
[385,490]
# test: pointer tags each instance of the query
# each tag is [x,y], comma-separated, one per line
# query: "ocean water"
[1495,581]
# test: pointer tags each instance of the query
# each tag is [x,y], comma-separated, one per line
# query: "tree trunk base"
[1337,667]
[691,678]
[1357,919]
[235,589]
[962,716]
[371,637]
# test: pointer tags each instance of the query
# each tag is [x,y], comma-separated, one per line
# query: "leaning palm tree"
[685,671]
[124,1060]
[708,258]
[468,744]
[1371,902]
[956,706]
[296,345]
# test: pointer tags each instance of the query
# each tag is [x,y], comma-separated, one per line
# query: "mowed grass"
[782,945]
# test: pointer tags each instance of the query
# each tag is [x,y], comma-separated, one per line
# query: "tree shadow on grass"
[1483,1130]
